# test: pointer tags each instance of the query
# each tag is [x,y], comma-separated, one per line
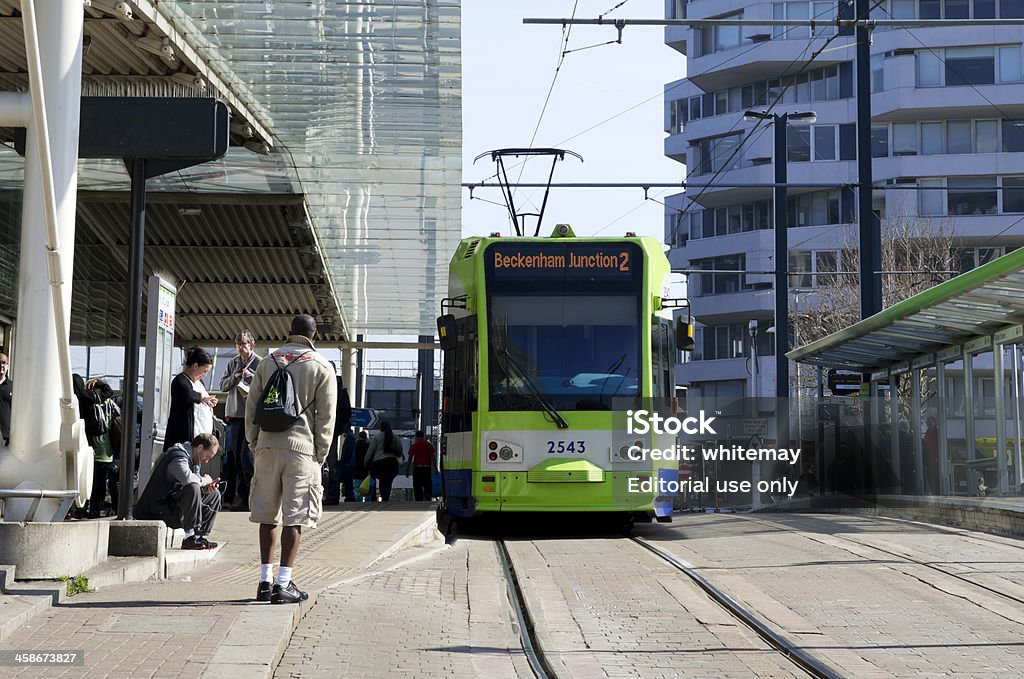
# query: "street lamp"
[780,120]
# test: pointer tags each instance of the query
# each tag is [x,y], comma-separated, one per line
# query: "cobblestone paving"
[117,629]
[826,582]
[606,608]
[173,628]
[443,616]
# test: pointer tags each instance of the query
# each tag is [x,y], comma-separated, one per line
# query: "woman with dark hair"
[184,397]
[382,457]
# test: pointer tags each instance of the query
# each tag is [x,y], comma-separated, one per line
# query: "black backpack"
[277,410]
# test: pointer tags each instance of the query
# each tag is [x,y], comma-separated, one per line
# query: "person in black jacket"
[179,496]
[184,397]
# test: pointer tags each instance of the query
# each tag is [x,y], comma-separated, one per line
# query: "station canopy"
[340,195]
[974,304]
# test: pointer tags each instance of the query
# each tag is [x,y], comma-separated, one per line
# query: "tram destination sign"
[602,260]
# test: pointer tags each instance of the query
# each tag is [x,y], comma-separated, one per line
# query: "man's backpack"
[277,410]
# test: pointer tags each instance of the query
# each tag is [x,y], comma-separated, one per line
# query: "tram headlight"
[505,453]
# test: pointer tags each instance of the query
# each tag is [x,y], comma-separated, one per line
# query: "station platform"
[206,624]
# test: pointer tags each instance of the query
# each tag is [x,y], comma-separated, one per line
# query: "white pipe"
[55,270]
[15,109]
[44,447]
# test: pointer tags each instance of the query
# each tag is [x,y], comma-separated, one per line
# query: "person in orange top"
[421,459]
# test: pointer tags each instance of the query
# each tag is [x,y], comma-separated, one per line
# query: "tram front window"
[578,351]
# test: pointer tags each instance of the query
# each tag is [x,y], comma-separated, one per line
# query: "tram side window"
[661,359]
[461,378]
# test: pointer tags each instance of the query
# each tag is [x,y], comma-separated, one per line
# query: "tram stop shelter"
[956,344]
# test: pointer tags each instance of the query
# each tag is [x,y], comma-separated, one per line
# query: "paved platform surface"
[879,598]
[206,625]
[442,616]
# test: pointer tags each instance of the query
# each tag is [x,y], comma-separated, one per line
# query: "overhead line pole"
[870,228]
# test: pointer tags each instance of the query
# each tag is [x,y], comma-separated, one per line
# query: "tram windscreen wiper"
[541,399]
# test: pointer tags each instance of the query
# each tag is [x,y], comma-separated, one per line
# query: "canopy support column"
[915,426]
[945,487]
[969,438]
[894,428]
[1002,454]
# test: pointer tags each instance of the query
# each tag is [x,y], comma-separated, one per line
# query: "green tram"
[541,336]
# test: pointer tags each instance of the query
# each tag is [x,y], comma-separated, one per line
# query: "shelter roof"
[976,303]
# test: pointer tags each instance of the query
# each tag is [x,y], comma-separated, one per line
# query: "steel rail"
[527,635]
[806,662]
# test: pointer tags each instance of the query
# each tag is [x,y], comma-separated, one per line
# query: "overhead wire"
[981,94]
[660,93]
[739,147]
[564,45]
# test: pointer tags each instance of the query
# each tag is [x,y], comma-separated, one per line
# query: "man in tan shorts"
[286,486]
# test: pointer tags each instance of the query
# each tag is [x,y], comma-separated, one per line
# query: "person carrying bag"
[383,457]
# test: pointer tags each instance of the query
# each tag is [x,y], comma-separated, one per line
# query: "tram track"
[904,557]
[527,632]
[802,662]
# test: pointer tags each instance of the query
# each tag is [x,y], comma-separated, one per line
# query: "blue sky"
[507,71]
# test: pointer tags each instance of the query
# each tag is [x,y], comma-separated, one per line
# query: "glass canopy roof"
[364,103]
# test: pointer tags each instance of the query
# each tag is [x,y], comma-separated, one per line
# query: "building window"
[811,142]
[879,141]
[824,142]
[817,208]
[1013,194]
[969,66]
[972,196]
[986,136]
[958,136]
[720,283]
[1009,64]
[720,38]
[1011,9]
[798,143]
[1013,135]
[931,198]
[792,11]
[972,258]
[984,9]
[931,139]
[724,342]
[929,68]
[718,153]
[903,9]
[821,84]
[877,73]
[904,139]
[805,264]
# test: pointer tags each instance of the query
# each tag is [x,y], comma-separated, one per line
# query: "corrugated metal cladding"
[365,103]
[240,262]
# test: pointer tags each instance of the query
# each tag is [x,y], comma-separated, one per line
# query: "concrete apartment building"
[948,118]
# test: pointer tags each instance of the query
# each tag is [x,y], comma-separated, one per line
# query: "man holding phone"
[179,496]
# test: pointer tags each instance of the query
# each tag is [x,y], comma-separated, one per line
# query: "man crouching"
[177,495]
